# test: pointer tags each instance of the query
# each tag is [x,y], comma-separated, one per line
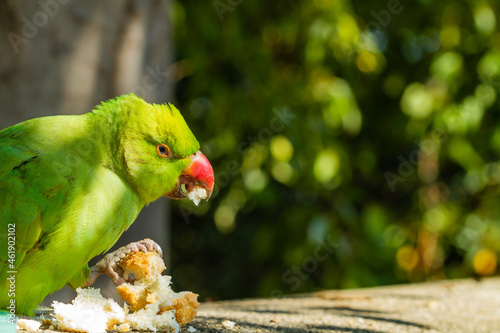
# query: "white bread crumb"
[122,328]
[228,324]
[197,194]
[88,312]
[191,329]
[28,325]
[148,319]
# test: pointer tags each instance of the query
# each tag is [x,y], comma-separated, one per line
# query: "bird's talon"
[152,246]
[141,247]
[109,263]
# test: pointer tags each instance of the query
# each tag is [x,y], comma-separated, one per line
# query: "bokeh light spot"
[417,101]
[450,36]
[393,85]
[281,148]
[326,166]
[366,62]
[485,262]
[407,257]
[447,66]
[224,218]
[484,19]
[283,172]
[255,180]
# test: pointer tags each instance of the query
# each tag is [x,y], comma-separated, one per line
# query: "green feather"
[72,185]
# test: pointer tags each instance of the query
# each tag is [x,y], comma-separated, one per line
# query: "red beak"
[198,173]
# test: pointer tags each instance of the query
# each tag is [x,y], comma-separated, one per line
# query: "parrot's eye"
[162,150]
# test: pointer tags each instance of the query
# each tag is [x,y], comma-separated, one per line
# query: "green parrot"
[71,185]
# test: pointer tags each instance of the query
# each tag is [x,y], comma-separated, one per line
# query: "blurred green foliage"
[354,143]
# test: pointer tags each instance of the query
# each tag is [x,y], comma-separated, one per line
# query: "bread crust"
[185,308]
[146,266]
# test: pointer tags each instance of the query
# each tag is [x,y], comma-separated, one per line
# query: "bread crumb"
[197,194]
[28,325]
[149,319]
[88,312]
[185,307]
[191,329]
[228,324]
[122,328]
[136,296]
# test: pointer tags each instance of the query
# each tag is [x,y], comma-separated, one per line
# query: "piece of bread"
[150,287]
[28,325]
[146,269]
[154,304]
[145,266]
[196,194]
[88,312]
[185,308]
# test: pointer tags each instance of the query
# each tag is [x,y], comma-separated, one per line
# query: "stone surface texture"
[443,306]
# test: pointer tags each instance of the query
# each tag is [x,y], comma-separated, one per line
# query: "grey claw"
[157,248]
[140,247]
[148,245]
[152,246]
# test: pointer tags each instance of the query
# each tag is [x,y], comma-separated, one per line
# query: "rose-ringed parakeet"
[71,185]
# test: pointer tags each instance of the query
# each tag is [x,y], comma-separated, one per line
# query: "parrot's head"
[158,153]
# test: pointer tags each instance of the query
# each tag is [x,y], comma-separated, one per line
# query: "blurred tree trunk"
[64,57]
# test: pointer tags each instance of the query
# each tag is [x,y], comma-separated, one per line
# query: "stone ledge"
[444,306]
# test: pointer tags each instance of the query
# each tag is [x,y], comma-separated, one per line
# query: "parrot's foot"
[109,264]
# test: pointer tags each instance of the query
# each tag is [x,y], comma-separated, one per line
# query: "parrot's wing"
[32,189]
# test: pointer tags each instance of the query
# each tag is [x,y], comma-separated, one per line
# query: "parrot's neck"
[105,126]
